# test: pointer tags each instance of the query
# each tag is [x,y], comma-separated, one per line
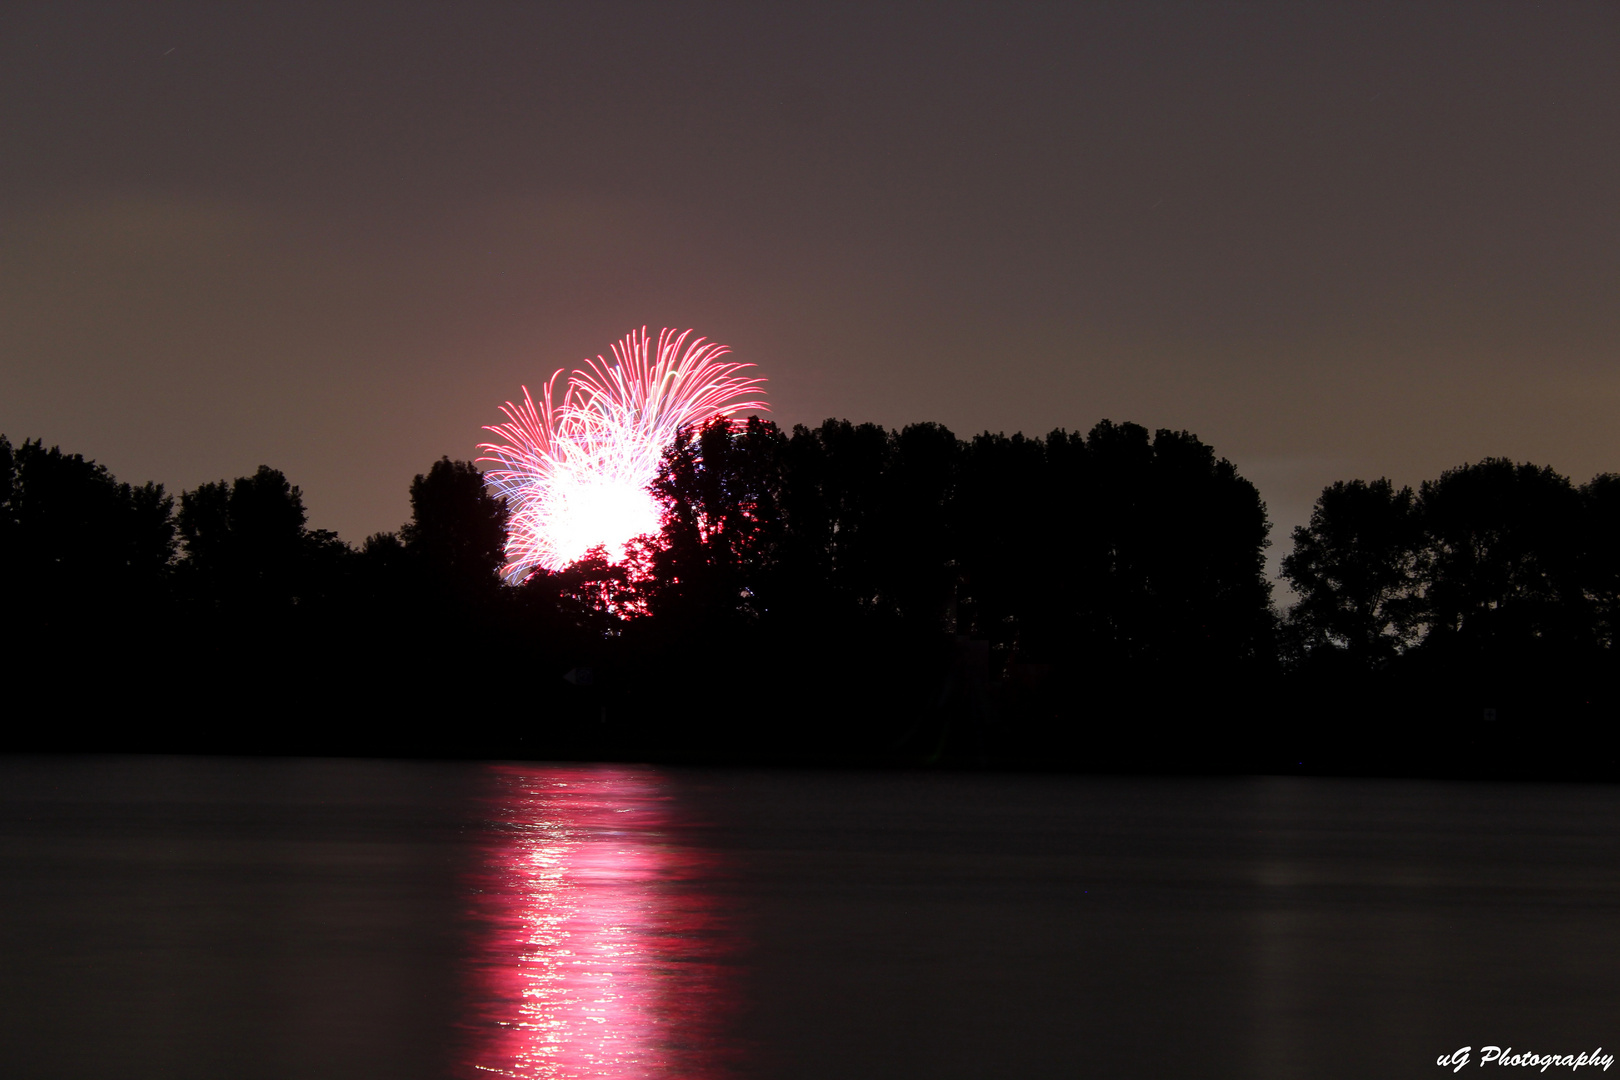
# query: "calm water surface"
[181,918]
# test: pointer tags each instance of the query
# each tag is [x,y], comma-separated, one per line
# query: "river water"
[175,918]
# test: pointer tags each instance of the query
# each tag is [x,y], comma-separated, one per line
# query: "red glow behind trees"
[576,470]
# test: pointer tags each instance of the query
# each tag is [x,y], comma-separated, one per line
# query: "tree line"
[1473,618]
[846,593]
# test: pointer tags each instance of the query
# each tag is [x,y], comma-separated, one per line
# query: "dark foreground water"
[172,918]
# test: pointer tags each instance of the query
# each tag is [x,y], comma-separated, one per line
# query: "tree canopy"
[844,593]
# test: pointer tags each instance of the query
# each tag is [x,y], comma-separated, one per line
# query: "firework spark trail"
[575,471]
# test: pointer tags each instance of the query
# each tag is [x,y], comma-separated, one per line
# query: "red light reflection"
[596,955]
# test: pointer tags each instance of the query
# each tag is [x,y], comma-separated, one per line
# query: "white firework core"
[576,472]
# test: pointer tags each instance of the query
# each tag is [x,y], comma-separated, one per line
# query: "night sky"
[1333,242]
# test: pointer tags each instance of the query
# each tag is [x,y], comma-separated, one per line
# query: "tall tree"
[246,543]
[720,489]
[1357,567]
[1504,564]
[833,492]
[916,526]
[457,533]
[1016,555]
[74,538]
[1177,540]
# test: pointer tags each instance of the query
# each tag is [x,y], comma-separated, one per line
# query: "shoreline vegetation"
[844,595]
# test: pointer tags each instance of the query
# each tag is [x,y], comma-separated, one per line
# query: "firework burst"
[575,468]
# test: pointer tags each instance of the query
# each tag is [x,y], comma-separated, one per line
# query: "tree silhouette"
[916,526]
[834,496]
[1358,568]
[1095,600]
[720,490]
[1118,548]
[84,564]
[457,533]
[1503,567]
[246,545]
[1599,544]
[75,540]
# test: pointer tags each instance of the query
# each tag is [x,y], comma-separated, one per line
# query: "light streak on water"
[598,954]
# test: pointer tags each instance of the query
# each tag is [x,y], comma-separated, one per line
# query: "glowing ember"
[575,471]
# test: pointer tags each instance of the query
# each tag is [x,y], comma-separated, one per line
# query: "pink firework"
[576,471]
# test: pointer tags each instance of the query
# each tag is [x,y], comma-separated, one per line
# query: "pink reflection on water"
[598,953]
